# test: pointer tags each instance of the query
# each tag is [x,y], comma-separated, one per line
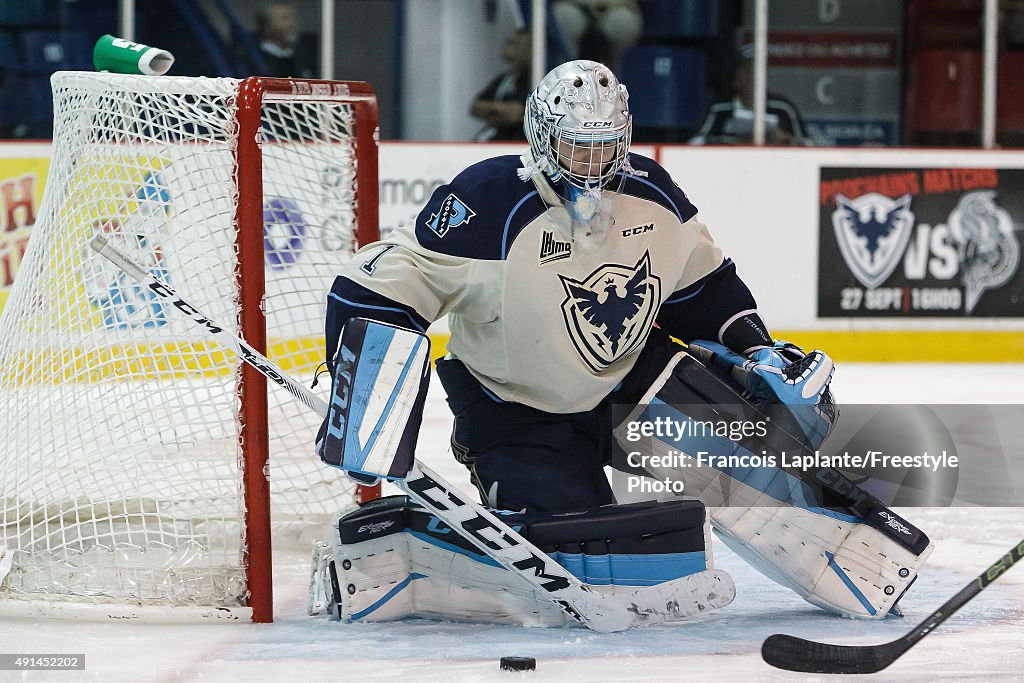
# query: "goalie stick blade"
[681,598]
[806,656]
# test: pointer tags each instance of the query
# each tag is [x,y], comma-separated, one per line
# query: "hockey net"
[134,465]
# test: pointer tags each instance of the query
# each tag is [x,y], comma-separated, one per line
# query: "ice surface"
[984,641]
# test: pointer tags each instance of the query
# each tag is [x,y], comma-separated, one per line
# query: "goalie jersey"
[539,313]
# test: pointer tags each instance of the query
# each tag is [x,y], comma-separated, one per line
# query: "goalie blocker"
[391,559]
[380,376]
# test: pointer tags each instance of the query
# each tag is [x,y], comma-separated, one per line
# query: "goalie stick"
[797,654]
[611,609]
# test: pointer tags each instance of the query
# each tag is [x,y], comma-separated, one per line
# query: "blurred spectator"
[731,121]
[501,104]
[276,30]
[598,29]
[1012,22]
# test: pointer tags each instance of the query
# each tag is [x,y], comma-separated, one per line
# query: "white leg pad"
[842,560]
[398,576]
[391,560]
[845,567]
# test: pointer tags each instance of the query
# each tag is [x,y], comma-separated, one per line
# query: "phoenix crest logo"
[872,231]
[610,312]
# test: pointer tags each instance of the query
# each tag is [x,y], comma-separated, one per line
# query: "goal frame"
[253,132]
[250,274]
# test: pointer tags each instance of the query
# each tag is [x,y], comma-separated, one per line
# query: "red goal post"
[253,321]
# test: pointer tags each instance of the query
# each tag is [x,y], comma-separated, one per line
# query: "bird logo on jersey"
[609,314]
[872,231]
[452,214]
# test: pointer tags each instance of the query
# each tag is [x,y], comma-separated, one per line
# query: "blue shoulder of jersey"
[480,211]
[657,186]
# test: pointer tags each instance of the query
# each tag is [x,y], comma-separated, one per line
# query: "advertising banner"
[920,242]
[21,191]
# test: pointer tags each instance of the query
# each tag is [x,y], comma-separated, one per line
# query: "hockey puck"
[518,663]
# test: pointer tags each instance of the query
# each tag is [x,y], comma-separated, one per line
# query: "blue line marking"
[508,221]
[688,296]
[378,428]
[490,394]
[849,584]
[379,308]
[631,569]
[387,596]
[675,208]
[725,263]
[482,559]
[376,342]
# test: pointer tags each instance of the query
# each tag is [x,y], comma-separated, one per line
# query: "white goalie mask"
[578,125]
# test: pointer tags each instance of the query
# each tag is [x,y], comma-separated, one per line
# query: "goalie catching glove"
[781,374]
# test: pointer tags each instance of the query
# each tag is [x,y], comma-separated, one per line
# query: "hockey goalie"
[567,274]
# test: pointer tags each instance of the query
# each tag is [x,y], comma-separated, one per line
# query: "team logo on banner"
[872,231]
[122,302]
[958,253]
[989,254]
[452,214]
[609,314]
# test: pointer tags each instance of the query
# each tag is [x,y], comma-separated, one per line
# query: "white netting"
[120,474]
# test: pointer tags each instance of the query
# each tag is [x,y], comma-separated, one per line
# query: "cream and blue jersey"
[540,314]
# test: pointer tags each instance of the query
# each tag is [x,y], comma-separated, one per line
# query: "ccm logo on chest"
[638,230]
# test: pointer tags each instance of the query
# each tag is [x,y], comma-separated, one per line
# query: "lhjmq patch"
[609,314]
[452,214]
[552,250]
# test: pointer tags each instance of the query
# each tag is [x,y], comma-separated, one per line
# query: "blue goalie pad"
[381,374]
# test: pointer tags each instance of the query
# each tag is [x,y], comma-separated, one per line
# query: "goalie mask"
[578,125]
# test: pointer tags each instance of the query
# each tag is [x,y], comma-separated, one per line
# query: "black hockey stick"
[796,654]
